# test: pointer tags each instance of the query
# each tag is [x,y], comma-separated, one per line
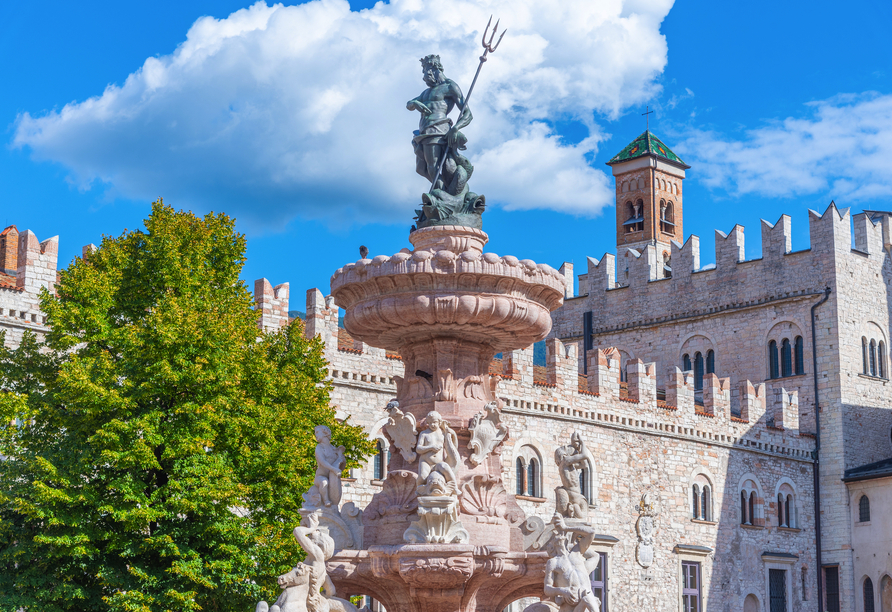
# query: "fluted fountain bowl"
[448,287]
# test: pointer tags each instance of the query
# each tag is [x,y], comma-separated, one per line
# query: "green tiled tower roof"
[647,144]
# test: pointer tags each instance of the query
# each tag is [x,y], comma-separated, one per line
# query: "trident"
[487,49]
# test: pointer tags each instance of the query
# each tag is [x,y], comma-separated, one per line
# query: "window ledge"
[348,480]
[869,377]
[789,529]
[752,526]
[702,522]
[803,375]
[530,498]
[864,524]
[377,483]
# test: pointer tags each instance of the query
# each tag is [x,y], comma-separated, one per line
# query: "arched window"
[780,511]
[686,363]
[520,476]
[881,359]
[790,512]
[864,509]
[868,595]
[380,461]
[743,505]
[533,478]
[706,504]
[710,361]
[752,508]
[583,484]
[873,358]
[797,354]
[695,502]
[772,360]
[667,217]
[698,371]
[866,370]
[786,358]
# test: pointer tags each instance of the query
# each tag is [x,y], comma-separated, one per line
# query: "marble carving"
[402,430]
[487,432]
[647,512]
[437,485]
[567,584]
[324,497]
[307,587]
[571,460]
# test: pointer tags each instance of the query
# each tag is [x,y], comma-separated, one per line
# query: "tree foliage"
[156,445]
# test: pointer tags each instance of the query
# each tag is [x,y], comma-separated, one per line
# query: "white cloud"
[842,148]
[277,112]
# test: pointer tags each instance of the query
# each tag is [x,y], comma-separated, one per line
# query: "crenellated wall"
[35,270]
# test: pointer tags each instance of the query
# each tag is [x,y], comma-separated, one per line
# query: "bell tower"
[649,179]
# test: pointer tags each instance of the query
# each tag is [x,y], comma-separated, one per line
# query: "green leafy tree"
[157,444]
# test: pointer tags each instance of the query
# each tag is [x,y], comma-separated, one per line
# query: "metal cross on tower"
[647,108]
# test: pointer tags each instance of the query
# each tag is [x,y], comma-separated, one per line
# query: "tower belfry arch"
[649,191]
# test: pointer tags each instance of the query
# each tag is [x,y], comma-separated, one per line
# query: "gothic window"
[786,358]
[710,361]
[696,502]
[690,587]
[772,360]
[864,354]
[667,217]
[873,358]
[533,478]
[380,461]
[864,509]
[686,363]
[520,476]
[751,511]
[752,508]
[797,349]
[744,519]
[868,595]
[881,359]
[635,223]
[706,504]
[789,514]
[781,522]
[598,579]
[698,371]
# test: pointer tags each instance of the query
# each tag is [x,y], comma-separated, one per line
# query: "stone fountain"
[443,534]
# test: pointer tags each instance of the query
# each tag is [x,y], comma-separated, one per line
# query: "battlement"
[768,421]
[272,303]
[638,287]
[29,266]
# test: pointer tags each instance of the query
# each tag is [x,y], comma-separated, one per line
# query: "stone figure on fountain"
[437,485]
[401,428]
[571,460]
[344,524]
[307,587]
[487,432]
[571,562]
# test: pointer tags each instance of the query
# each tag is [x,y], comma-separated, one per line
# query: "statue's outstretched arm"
[416,104]
[301,534]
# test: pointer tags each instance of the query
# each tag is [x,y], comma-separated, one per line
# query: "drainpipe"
[816,467]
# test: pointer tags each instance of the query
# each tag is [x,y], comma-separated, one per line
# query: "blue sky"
[292,118]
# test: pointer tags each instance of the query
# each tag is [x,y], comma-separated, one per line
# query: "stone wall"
[20,296]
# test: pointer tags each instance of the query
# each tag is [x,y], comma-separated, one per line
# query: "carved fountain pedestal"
[444,535]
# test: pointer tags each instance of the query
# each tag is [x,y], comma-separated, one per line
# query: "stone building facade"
[690,381]
[694,385]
